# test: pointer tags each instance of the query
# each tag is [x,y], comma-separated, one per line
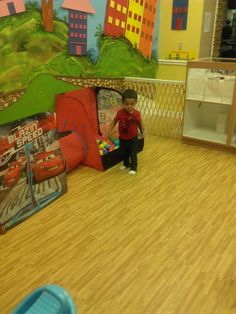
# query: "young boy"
[129,121]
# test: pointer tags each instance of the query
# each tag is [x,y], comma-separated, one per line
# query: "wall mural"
[77,23]
[47,40]
[11,7]
[179,14]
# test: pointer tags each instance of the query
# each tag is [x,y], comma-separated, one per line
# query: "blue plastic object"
[50,299]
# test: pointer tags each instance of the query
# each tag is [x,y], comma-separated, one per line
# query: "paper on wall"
[207,22]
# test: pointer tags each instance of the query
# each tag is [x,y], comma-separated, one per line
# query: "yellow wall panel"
[171,72]
[170,40]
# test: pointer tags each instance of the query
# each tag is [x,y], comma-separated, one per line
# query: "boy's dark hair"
[129,93]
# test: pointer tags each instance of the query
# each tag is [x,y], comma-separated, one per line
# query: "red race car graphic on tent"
[13,174]
[47,165]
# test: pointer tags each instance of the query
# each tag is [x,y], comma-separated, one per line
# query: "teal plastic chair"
[50,299]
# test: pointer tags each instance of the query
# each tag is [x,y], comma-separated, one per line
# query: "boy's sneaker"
[132,172]
[122,168]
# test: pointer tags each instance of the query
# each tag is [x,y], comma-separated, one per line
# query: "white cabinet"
[209,113]
[233,142]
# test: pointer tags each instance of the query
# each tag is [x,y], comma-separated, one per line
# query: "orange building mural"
[148,25]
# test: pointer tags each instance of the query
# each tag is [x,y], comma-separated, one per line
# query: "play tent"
[82,116]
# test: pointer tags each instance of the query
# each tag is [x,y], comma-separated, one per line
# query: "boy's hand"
[141,133]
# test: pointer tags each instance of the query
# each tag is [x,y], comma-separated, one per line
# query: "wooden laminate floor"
[161,242]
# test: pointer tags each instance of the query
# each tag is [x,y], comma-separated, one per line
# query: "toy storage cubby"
[210,104]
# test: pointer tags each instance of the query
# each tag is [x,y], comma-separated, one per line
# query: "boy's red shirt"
[128,123]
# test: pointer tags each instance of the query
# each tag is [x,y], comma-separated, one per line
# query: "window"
[130,13]
[112,4]
[81,16]
[85,17]
[76,16]
[144,20]
[75,35]
[142,34]
[146,36]
[117,23]
[137,30]
[85,26]
[150,38]
[128,27]
[76,26]
[84,35]
[152,24]
[72,25]
[122,24]
[133,29]
[118,8]
[80,35]
[72,15]
[110,19]
[150,7]
[137,1]
[146,5]
[71,34]
[139,18]
[135,16]
[80,26]
[148,23]
[141,2]
[124,10]
[154,10]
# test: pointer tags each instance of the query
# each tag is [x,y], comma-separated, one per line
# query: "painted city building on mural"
[134,20]
[77,19]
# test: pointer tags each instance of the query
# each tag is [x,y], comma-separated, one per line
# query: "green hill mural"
[39,97]
[28,54]
[27,50]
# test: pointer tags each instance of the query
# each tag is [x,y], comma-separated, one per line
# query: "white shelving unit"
[207,135]
[233,143]
[201,121]
[210,102]
[210,105]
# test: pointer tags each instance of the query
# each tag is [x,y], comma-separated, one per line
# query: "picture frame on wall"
[179,15]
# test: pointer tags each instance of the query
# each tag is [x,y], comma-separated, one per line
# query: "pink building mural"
[11,7]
